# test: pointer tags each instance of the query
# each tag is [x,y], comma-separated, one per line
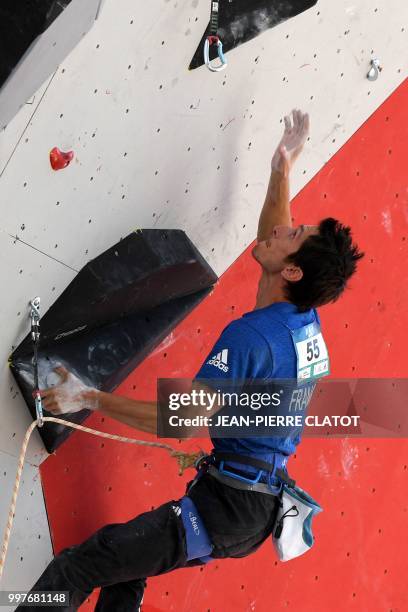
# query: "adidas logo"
[220,360]
[177,510]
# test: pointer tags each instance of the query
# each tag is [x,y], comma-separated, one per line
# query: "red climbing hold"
[59,159]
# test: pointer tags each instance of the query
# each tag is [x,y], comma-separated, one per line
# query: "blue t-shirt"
[259,345]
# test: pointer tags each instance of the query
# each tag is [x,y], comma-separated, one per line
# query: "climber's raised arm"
[276,208]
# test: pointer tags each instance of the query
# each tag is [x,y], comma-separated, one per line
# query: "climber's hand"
[71,395]
[292,142]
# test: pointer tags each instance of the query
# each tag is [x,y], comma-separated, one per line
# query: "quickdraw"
[35,336]
[213,38]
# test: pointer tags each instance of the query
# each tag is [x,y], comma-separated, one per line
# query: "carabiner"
[38,409]
[209,41]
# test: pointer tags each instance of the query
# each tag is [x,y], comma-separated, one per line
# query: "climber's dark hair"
[327,259]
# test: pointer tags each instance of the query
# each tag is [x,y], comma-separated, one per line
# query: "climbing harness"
[213,38]
[198,542]
[274,470]
[185,460]
[266,472]
[292,529]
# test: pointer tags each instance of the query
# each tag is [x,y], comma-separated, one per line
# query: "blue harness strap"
[198,542]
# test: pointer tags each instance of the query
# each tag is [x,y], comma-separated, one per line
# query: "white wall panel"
[30,548]
[15,133]
[25,273]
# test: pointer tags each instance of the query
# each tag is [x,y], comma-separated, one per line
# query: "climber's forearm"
[139,414]
[142,414]
[276,208]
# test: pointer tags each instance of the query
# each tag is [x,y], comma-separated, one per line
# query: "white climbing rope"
[185,460]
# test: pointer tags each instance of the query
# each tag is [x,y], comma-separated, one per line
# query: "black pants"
[120,556]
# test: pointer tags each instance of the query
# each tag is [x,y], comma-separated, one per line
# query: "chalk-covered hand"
[71,395]
[292,142]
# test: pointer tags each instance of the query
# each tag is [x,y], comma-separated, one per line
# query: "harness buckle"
[223,470]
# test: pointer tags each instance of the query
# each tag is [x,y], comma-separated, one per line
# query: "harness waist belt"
[256,463]
[238,484]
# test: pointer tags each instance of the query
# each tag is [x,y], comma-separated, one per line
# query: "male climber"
[236,494]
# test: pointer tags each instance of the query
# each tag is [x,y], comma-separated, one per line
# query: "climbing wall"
[355,563]
[158,146]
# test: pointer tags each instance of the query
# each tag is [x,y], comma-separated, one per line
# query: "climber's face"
[284,240]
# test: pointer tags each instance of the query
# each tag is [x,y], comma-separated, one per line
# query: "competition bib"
[312,356]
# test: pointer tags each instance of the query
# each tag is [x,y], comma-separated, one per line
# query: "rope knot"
[186,460]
